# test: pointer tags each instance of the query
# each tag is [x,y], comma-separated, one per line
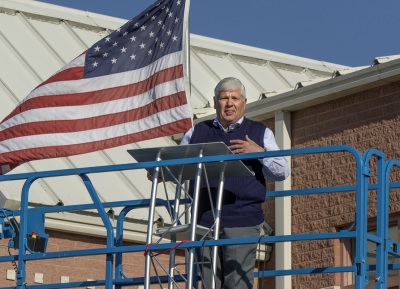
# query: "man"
[241,214]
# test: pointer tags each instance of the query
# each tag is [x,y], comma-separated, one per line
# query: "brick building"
[364,119]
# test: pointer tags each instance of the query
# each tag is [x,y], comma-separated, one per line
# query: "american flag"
[128,87]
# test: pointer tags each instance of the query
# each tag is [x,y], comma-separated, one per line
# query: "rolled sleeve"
[274,168]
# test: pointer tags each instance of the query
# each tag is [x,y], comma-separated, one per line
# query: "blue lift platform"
[25,228]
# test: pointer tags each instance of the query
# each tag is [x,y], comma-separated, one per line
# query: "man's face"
[230,107]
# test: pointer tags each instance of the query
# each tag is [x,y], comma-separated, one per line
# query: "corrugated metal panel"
[38,38]
[51,35]
[260,70]
[29,50]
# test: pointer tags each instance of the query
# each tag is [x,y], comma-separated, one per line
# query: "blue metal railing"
[114,249]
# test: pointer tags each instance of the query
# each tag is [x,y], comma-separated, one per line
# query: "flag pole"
[186,51]
[188,89]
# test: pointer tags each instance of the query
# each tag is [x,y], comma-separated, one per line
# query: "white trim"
[283,205]
[325,91]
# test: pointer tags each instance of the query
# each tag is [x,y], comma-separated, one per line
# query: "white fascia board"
[321,92]
[325,90]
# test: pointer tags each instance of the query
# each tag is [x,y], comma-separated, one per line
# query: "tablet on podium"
[234,168]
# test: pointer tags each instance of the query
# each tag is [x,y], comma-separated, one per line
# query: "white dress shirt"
[274,168]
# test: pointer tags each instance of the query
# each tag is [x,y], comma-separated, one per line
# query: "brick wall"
[369,119]
[76,268]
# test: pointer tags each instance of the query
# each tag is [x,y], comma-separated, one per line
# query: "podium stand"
[179,173]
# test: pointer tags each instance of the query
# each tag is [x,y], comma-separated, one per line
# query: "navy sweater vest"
[242,196]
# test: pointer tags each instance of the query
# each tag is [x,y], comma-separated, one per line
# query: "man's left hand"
[245,146]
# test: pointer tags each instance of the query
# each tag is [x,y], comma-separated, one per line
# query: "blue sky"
[347,32]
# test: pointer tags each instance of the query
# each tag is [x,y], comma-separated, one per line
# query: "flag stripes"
[81,109]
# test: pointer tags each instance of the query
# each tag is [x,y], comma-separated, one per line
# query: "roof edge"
[321,92]
[325,91]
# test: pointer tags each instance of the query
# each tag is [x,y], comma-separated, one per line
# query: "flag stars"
[142,39]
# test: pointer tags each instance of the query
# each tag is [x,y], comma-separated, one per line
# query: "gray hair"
[230,84]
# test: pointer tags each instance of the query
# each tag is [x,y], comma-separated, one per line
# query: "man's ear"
[215,102]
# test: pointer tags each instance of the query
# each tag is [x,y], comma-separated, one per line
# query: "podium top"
[234,168]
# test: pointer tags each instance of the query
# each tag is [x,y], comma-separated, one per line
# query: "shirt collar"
[232,127]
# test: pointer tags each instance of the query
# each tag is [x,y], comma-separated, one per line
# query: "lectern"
[178,173]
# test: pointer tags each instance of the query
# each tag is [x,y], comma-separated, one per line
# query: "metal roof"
[38,38]
[260,70]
